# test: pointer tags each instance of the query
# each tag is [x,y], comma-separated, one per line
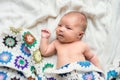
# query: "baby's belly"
[62,61]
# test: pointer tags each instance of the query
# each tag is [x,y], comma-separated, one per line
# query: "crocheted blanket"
[83,70]
[15,54]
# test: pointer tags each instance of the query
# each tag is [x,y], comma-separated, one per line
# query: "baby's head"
[71,27]
[77,18]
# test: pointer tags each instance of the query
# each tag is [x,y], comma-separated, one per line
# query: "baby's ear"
[80,34]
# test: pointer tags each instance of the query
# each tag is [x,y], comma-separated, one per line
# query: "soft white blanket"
[103,22]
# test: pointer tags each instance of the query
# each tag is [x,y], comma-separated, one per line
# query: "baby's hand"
[45,33]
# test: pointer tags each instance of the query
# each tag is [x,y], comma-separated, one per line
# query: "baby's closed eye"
[60,25]
[68,28]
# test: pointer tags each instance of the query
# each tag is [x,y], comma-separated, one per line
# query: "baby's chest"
[70,50]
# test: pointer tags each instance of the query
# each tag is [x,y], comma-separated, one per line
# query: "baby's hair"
[83,20]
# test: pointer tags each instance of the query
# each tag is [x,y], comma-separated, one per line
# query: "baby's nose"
[62,28]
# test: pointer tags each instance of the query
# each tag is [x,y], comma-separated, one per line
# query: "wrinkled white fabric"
[103,21]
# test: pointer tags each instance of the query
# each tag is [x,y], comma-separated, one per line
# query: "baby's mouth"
[60,35]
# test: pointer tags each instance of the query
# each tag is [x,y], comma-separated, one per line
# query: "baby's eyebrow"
[59,23]
[67,25]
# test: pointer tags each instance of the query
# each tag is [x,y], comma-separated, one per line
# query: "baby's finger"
[45,30]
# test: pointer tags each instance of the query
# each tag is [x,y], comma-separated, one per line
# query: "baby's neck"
[69,42]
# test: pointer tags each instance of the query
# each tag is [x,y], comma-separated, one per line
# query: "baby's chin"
[64,41]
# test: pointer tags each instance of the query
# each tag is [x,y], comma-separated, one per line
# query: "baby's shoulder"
[83,44]
[56,42]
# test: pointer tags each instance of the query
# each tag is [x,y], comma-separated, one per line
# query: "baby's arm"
[46,48]
[92,57]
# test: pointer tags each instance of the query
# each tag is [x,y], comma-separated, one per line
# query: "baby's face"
[68,29]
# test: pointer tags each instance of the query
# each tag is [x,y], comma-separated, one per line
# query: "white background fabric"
[103,21]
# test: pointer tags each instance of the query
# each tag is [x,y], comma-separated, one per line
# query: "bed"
[21,18]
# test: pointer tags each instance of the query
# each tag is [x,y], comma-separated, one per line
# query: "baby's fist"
[45,33]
